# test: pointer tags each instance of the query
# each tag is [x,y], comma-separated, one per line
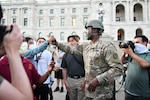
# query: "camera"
[3,31]
[54,41]
[125,45]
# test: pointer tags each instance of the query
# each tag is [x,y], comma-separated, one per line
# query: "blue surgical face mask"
[32,46]
[140,48]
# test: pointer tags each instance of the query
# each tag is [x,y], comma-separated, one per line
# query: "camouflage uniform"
[101,61]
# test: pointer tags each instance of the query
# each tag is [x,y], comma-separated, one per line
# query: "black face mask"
[89,37]
[91,34]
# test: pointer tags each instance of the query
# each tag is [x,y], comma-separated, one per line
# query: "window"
[85,20]
[4,12]
[51,11]
[119,36]
[73,33]
[25,22]
[40,22]
[62,36]
[3,21]
[25,11]
[62,11]
[134,18]
[23,33]
[26,0]
[62,22]
[40,12]
[117,19]
[51,22]
[85,10]
[49,34]
[73,21]
[84,36]
[14,11]
[14,20]
[117,10]
[39,35]
[73,10]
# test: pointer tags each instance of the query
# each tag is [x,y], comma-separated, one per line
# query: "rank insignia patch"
[115,56]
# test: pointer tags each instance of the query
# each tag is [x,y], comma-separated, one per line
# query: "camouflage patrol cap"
[95,24]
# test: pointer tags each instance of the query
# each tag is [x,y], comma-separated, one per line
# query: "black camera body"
[125,45]
[3,31]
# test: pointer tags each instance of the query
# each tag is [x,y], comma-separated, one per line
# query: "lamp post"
[101,12]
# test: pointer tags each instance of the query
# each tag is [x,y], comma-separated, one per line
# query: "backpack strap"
[65,55]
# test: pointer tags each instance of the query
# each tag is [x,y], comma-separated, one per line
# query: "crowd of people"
[88,70]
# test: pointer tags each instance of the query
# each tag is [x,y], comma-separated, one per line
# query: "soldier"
[101,60]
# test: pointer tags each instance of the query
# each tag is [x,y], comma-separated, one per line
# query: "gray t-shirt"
[137,79]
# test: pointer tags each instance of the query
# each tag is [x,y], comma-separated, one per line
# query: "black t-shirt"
[74,67]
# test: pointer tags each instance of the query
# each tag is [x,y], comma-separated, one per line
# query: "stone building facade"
[122,19]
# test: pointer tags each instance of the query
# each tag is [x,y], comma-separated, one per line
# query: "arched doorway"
[120,34]
[138,12]
[139,32]
[120,13]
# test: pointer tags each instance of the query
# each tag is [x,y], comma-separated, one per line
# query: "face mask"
[140,48]
[23,48]
[32,46]
[89,37]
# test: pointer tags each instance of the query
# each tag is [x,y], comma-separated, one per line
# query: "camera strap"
[79,62]
[38,57]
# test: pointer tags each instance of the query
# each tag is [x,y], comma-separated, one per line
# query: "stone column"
[145,11]
[20,18]
[127,14]
[114,12]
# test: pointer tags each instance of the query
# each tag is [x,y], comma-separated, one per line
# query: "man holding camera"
[137,81]
[10,42]
[10,46]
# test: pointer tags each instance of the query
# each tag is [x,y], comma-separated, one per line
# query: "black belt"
[75,77]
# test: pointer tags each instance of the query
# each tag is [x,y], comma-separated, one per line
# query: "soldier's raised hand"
[52,40]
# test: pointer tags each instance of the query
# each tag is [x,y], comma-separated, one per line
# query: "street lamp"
[101,12]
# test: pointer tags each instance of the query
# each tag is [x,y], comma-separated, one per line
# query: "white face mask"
[23,48]
[140,48]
